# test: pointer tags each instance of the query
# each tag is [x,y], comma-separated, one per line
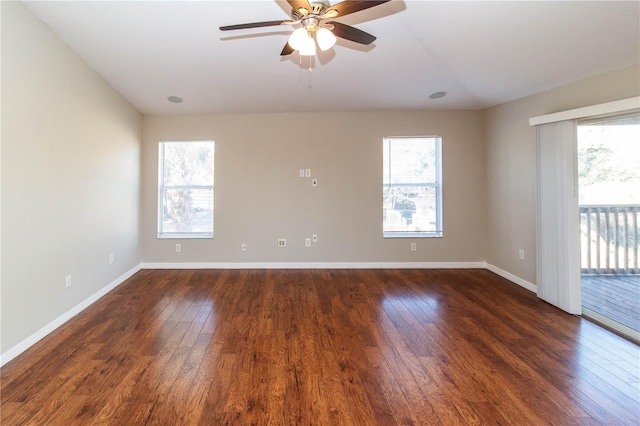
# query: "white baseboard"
[44,331]
[317,265]
[513,278]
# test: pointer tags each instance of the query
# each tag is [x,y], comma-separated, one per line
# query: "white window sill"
[182,236]
[412,235]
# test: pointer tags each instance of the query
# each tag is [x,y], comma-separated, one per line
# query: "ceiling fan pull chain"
[300,72]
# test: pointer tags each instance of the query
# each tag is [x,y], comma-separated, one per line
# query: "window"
[412,187]
[185,189]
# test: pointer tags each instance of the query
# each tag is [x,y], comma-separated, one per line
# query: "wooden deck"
[614,296]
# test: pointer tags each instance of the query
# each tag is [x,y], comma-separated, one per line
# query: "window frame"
[161,234]
[437,185]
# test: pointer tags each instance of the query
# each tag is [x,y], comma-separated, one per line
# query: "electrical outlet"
[282,242]
[111,258]
[178,248]
[307,173]
[413,247]
[521,254]
[67,281]
[243,247]
[314,238]
[307,242]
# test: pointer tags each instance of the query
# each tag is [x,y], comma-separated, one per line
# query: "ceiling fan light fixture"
[325,39]
[298,38]
[308,48]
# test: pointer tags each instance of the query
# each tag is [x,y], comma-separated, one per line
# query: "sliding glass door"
[609,197]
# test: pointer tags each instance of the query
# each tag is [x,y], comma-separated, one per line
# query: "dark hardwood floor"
[323,347]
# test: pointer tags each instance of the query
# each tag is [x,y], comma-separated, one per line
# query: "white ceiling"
[481,53]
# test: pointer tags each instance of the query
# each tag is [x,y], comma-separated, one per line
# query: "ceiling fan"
[313,16]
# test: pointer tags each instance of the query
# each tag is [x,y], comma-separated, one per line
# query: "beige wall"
[70,178]
[260,198]
[511,162]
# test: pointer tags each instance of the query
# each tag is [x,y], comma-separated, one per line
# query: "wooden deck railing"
[609,238]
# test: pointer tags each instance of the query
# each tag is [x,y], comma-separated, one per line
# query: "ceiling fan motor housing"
[311,24]
[317,9]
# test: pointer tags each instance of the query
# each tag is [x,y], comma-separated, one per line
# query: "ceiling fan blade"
[347,7]
[351,33]
[298,4]
[286,50]
[253,25]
